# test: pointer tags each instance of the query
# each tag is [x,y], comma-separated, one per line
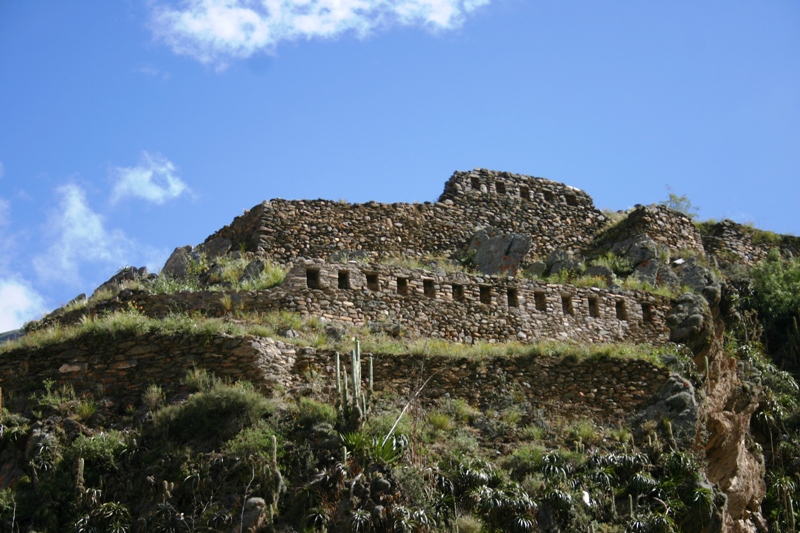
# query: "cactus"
[79,481]
[353,401]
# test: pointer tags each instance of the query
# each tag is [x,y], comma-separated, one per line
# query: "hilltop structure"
[498,257]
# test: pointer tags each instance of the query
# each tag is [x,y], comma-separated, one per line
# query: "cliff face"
[724,422]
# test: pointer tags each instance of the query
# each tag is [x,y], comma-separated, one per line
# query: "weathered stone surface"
[214,248]
[690,323]
[675,402]
[177,266]
[254,269]
[498,253]
[561,260]
[701,279]
[636,249]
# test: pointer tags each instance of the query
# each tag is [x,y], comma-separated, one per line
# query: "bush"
[214,415]
[776,298]
[311,412]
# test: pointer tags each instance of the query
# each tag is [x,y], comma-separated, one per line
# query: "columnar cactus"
[353,401]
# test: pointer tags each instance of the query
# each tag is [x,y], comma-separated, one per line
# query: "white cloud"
[214,31]
[81,238]
[154,179]
[18,304]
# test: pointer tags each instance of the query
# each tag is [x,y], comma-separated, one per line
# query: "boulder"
[177,266]
[597,271]
[498,253]
[128,273]
[690,323]
[637,249]
[254,269]
[675,402]
[215,247]
[701,279]
[560,260]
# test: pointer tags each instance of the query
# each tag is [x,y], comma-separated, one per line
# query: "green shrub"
[214,415]
[199,380]
[255,440]
[311,412]
[440,421]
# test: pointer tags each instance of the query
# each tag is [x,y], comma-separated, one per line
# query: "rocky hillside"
[507,358]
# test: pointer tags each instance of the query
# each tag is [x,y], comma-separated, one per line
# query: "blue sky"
[128,128]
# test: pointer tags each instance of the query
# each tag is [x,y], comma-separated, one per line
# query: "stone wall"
[451,306]
[734,242]
[555,215]
[127,364]
[665,226]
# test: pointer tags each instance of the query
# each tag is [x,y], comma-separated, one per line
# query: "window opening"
[500,187]
[373,283]
[513,299]
[428,288]
[402,286]
[647,312]
[571,200]
[594,307]
[344,279]
[476,183]
[524,192]
[458,293]
[566,304]
[548,197]
[486,294]
[312,278]
[540,299]
[622,313]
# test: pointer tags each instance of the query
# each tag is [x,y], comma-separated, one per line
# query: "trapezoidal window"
[513,298]
[500,187]
[476,183]
[548,197]
[458,293]
[566,304]
[428,288]
[571,200]
[622,312]
[647,313]
[402,286]
[312,278]
[344,279]
[540,300]
[594,306]
[524,192]
[486,294]
[373,283]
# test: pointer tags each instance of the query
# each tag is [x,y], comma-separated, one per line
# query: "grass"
[311,331]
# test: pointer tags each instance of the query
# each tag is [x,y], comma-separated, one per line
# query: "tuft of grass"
[153,397]
[441,421]
[85,409]
[584,431]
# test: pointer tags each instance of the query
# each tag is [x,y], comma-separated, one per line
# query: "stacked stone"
[555,215]
[665,226]
[125,366]
[451,306]
[733,242]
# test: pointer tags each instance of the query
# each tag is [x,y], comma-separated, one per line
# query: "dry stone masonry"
[555,215]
